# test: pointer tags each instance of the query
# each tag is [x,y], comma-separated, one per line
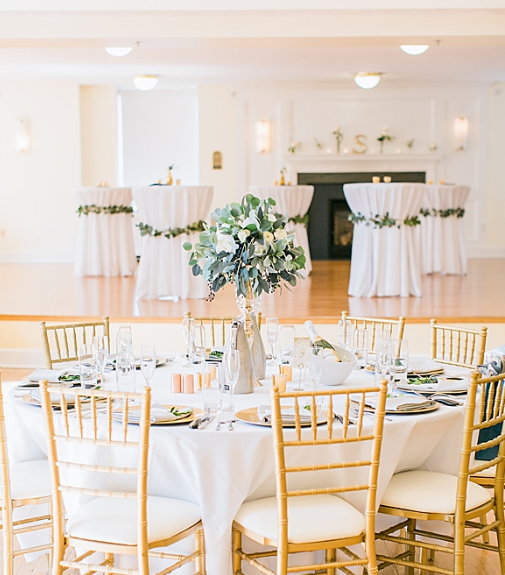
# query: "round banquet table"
[291,201]
[164,269]
[441,230]
[105,243]
[220,470]
[385,261]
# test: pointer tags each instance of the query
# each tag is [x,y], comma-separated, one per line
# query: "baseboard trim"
[37,258]
[29,358]
[486,252]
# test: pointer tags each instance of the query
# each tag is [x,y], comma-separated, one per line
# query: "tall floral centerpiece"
[247,245]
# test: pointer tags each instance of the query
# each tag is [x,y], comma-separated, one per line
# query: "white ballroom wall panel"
[160,128]
[37,211]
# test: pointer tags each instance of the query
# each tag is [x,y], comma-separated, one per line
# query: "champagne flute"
[200,351]
[344,333]
[188,331]
[287,342]
[101,354]
[124,340]
[232,372]
[315,372]
[147,362]
[384,362]
[125,372]
[400,349]
[272,334]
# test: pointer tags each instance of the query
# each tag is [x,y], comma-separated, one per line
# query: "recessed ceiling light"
[145,81]
[414,49]
[367,80]
[118,51]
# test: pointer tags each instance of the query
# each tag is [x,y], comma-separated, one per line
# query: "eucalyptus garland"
[304,220]
[92,209]
[458,212]
[385,221]
[147,230]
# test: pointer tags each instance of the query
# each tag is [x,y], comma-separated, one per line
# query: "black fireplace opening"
[329,229]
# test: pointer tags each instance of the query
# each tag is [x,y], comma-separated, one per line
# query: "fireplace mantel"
[363,163]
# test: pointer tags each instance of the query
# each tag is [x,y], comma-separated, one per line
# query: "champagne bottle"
[317,341]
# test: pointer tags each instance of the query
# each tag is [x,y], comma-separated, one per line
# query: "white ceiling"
[216,46]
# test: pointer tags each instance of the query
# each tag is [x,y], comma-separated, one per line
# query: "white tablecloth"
[291,201]
[385,261]
[164,269]
[442,238]
[220,470]
[105,242]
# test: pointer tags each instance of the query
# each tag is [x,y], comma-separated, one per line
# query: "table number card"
[301,351]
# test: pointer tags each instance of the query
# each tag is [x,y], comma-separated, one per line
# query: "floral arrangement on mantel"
[249,246]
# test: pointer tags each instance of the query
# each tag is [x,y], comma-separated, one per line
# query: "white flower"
[280,234]
[268,236]
[242,235]
[271,218]
[225,243]
[260,250]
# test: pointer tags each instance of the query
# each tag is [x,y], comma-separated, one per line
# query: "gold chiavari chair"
[218,327]
[458,346]
[430,496]
[113,520]
[315,518]
[26,483]
[61,342]
[395,327]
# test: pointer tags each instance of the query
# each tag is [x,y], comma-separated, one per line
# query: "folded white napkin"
[288,415]
[55,398]
[403,403]
[52,375]
[159,414]
[441,385]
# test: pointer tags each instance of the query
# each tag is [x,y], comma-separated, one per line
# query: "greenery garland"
[458,212]
[304,220]
[92,209]
[385,221]
[147,230]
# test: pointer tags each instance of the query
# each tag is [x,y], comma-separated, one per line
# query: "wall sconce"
[263,136]
[461,128]
[22,136]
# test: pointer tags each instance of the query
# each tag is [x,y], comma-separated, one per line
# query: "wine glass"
[147,362]
[360,346]
[384,362]
[232,361]
[272,334]
[87,367]
[287,342]
[124,340]
[344,333]
[400,348]
[101,353]
[315,372]
[188,331]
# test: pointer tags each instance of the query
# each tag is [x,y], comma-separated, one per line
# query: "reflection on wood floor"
[50,291]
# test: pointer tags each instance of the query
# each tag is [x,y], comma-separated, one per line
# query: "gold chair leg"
[331,556]
[200,547]
[485,536]
[236,544]
[412,550]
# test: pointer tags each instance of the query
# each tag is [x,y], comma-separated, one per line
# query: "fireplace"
[329,230]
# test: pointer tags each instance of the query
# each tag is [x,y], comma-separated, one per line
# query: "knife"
[196,424]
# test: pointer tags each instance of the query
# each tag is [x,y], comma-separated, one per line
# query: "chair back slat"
[219,327]
[458,346]
[61,342]
[395,327]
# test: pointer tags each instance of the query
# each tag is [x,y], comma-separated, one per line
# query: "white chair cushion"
[430,492]
[311,518]
[30,479]
[115,520]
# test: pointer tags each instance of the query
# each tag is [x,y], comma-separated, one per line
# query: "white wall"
[496,164]
[37,212]
[160,128]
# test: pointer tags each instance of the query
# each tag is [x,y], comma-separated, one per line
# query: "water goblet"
[124,340]
[188,332]
[125,372]
[272,334]
[360,346]
[101,354]
[88,370]
[384,368]
[147,362]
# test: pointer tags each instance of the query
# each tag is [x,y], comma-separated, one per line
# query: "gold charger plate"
[191,417]
[432,407]
[250,416]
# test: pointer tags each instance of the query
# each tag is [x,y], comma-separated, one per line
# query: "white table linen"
[164,269]
[442,238]
[105,243]
[221,470]
[291,201]
[385,261]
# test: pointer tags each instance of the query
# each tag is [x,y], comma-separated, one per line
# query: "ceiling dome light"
[367,80]
[414,49]
[145,81]
[118,51]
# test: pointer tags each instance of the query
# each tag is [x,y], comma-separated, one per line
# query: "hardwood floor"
[50,291]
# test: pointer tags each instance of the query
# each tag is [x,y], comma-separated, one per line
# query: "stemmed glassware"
[124,340]
[232,364]
[272,334]
[101,354]
[360,346]
[344,333]
[188,331]
[287,342]
[200,349]
[384,362]
[148,362]
[315,371]
[400,350]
